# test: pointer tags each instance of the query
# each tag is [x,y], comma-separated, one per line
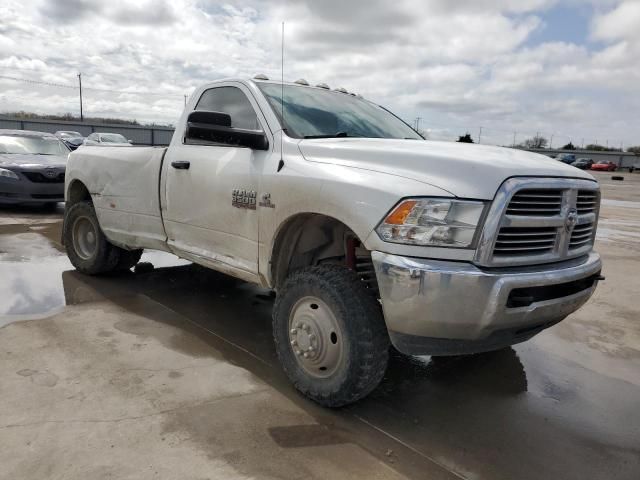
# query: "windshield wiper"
[335,135]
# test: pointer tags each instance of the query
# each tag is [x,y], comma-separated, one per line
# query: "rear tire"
[87,247]
[326,312]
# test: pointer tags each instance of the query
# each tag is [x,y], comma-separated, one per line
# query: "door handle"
[181,164]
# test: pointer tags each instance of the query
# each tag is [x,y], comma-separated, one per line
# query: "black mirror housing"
[206,127]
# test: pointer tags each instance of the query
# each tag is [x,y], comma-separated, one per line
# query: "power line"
[38,82]
[95,89]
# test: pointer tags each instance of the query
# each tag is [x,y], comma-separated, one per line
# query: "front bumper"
[446,308]
[25,191]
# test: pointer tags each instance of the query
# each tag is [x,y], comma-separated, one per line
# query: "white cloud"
[457,64]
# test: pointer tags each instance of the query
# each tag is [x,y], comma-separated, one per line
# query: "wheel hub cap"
[84,237]
[315,337]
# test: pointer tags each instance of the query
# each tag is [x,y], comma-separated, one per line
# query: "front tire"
[87,247]
[330,335]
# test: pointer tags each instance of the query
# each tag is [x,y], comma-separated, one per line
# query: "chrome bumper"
[443,307]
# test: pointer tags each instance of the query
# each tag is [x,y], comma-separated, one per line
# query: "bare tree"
[538,141]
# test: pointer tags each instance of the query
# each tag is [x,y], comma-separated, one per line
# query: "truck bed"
[124,183]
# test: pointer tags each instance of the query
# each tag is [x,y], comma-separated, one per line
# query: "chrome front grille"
[539,220]
[540,202]
[516,241]
[581,235]
[587,201]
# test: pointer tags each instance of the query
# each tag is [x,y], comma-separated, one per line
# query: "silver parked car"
[110,139]
[70,138]
[32,167]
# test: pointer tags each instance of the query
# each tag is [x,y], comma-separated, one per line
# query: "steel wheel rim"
[84,237]
[315,337]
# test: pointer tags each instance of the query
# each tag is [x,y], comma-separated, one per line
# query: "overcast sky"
[570,68]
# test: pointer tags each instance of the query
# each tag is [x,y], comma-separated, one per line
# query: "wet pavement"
[170,373]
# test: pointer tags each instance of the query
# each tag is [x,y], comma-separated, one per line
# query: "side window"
[233,101]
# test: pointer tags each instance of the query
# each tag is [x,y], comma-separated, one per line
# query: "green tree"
[600,148]
[635,150]
[569,146]
[466,138]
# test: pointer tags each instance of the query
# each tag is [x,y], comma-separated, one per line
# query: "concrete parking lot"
[171,373]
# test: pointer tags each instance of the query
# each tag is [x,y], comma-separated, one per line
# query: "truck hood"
[464,170]
[29,160]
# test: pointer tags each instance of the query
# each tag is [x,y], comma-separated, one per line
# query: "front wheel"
[330,335]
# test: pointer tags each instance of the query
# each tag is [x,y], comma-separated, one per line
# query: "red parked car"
[604,166]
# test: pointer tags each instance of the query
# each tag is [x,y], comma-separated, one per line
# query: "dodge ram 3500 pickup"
[368,234]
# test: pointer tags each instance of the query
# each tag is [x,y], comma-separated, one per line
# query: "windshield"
[603,162]
[112,138]
[69,134]
[318,113]
[32,145]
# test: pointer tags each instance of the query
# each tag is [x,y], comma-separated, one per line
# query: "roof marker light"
[323,85]
[302,81]
[261,76]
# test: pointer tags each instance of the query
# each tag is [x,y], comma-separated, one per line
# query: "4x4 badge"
[266,201]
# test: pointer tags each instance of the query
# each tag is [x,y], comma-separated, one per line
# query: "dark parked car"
[32,167]
[583,163]
[70,138]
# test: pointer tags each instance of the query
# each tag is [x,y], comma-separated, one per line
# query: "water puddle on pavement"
[31,275]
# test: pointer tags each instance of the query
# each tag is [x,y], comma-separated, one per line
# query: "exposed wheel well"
[77,192]
[312,239]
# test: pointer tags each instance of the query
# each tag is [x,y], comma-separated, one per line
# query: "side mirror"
[215,127]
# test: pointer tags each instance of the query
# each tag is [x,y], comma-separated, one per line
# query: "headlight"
[433,222]
[4,173]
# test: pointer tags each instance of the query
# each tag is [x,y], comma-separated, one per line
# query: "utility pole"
[418,124]
[80,88]
[185,99]
[514,139]
[480,136]
[551,142]
[582,147]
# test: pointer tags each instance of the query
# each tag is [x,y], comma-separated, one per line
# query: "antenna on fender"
[281,162]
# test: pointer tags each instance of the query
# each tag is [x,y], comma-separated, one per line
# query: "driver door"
[211,190]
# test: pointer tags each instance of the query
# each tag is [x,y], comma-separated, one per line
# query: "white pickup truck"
[368,234]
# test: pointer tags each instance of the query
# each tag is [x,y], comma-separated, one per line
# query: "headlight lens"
[4,173]
[432,222]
